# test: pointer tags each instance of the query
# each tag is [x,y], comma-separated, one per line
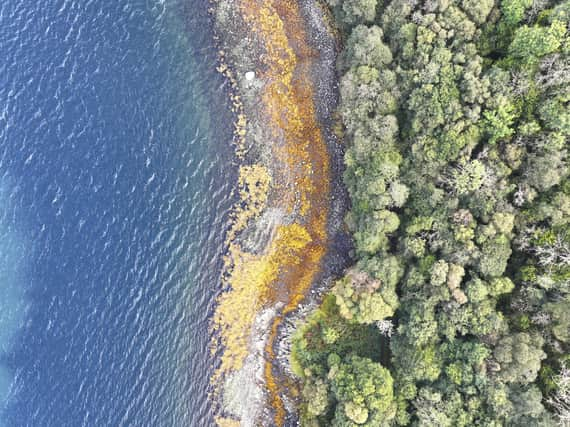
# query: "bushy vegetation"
[457,121]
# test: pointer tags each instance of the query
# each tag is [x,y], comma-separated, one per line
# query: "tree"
[531,43]
[498,122]
[560,399]
[555,115]
[478,10]
[439,273]
[494,256]
[358,11]
[315,393]
[528,408]
[372,230]
[468,178]
[513,11]
[368,92]
[560,318]
[519,356]
[360,299]
[431,410]
[416,363]
[387,268]
[500,286]
[545,170]
[363,389]
[365,47]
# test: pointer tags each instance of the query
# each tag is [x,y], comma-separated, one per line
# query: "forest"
[456,312]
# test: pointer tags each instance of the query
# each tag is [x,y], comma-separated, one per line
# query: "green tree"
[560,318]
[366,47]
[499,122]
[372,230]
[315,393]
[363,390]
[360,298]
[494,256]
[519,356]
[478,10]
[531,43]
[358,11]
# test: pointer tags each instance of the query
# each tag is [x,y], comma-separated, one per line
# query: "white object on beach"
[250,75]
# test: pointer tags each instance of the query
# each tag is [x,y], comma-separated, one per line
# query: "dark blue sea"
[115,181]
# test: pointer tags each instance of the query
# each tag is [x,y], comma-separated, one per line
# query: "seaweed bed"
[287,239]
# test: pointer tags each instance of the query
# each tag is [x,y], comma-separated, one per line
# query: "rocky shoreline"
[324,78]
[287,239]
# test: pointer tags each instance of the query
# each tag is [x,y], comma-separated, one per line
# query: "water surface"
[115,175]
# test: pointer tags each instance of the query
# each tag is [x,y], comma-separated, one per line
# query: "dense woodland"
[457,312]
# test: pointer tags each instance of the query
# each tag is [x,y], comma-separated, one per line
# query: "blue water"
[115,175]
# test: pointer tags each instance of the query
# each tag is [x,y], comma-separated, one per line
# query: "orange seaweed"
[284,272]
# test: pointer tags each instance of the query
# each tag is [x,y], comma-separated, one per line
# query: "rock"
[250,75]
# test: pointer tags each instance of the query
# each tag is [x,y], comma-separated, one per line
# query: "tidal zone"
[281,221]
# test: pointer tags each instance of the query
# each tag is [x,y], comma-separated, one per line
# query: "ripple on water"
[13,286]
[115,133]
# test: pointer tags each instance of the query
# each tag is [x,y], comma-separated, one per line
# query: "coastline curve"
[291,202]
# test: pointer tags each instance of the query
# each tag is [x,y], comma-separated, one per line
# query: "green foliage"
[365,47]
[494,256]
[513,11]
[316,394]
[417,363]
[352,12]
[363,390]
[468,178]
[343,382]
[456,124]
[478,10]
[531,43]
[500,285]
[498,123]
[519,356]
[560,318]
[360,299]
[372,230]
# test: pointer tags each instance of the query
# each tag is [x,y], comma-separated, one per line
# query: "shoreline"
[321,39]
[287,239]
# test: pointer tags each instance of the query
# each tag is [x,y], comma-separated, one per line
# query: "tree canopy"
[457,311]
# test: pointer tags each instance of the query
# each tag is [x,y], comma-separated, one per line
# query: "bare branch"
[560,401]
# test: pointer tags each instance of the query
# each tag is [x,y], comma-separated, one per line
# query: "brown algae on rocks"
[279,234]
